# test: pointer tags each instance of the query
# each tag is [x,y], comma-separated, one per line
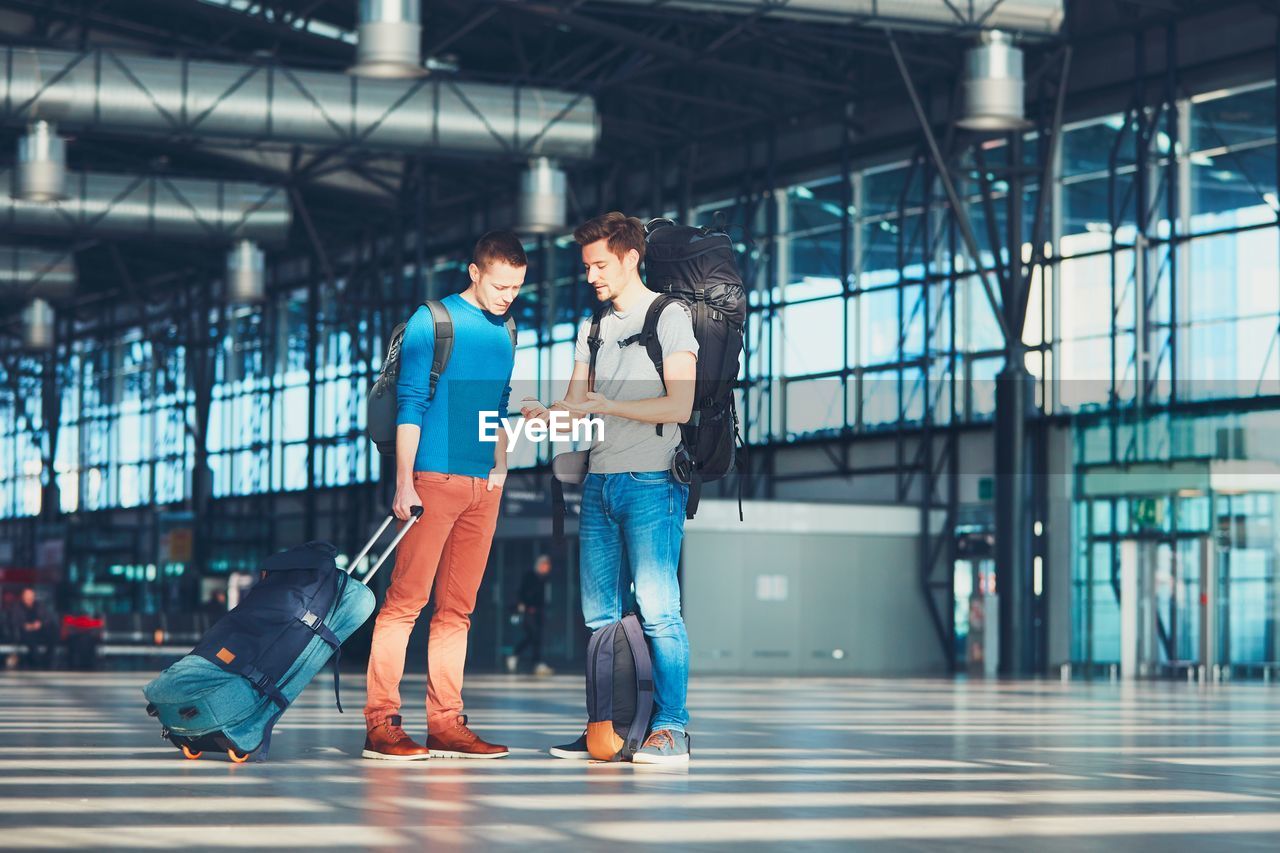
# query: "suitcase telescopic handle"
[415,513]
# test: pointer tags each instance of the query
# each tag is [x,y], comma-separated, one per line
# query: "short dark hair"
[499,246]
[622,232]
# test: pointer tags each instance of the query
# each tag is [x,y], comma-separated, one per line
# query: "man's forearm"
[407,438]
[654,410]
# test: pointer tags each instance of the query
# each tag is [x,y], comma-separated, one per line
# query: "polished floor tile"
[893,765]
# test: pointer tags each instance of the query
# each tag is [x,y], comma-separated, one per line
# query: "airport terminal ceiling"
[686,86]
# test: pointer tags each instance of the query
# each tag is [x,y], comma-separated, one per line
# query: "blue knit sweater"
[477,379]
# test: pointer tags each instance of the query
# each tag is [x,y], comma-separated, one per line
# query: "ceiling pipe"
[112,92]
[42,164]
[26,272]
[390,40]
[1039,17]
[124,206]
[541,206]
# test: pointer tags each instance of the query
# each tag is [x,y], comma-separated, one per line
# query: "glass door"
[1141,570]
[1161,611]
[1246,595]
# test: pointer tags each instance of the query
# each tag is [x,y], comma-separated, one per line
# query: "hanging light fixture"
[37,326]
[993,85]
[246,274]
[389,39]
[542,202]
[42,164]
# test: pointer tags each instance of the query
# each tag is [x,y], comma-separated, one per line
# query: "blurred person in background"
[216,607]
[530,611]
[35,629]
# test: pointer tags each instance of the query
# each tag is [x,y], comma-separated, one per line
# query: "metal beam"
[944,175]
[1047,177]
[681,55]
[309,43]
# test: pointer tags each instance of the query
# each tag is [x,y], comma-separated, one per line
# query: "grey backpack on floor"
[381,408]
[619,690]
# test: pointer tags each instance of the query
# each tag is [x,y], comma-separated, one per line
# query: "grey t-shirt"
[626,373]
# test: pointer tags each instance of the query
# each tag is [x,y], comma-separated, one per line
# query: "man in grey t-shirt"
[630,502]
[626,373]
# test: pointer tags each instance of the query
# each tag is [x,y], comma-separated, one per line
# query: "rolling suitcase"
[231,690]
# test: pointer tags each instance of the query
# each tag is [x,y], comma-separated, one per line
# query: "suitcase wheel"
[237,757]
[190,754]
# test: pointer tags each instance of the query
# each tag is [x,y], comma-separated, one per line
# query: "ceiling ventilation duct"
[1039,17]
[246,274]
[390,39]
[541,206]
[26,272]
[107,91]
[993,85]
[42,164]
[37,326]
[115,206]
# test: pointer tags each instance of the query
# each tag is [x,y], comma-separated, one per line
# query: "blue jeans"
[643,513]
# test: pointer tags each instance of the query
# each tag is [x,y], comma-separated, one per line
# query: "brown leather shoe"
[458,741]
[388,742]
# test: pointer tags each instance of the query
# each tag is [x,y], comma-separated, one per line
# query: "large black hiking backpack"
[695,266]
[381,407]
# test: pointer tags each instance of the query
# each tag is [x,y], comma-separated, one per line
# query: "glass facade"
[22,442]
[1195,300]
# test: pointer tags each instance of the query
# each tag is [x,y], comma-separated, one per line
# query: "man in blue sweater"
[442,464]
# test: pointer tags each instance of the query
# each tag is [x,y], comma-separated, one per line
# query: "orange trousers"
[447,550]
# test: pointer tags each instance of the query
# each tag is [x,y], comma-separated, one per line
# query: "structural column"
[1014,399]
[1015,396]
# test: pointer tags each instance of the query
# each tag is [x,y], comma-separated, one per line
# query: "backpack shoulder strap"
[593,344]
[511,330]
[630,625]
[649,338]
[444,343]
[649,332]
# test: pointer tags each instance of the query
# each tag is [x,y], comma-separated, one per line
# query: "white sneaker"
[512,663]
[664,747]
[543,669]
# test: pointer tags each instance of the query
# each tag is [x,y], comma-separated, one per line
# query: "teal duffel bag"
[228,694]
[195,699]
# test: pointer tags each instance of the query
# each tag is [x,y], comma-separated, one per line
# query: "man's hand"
[405,500]
[595,404]
[497,479]
[534,411]
[33,626]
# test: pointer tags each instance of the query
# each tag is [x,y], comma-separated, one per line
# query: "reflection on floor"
[842,764]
